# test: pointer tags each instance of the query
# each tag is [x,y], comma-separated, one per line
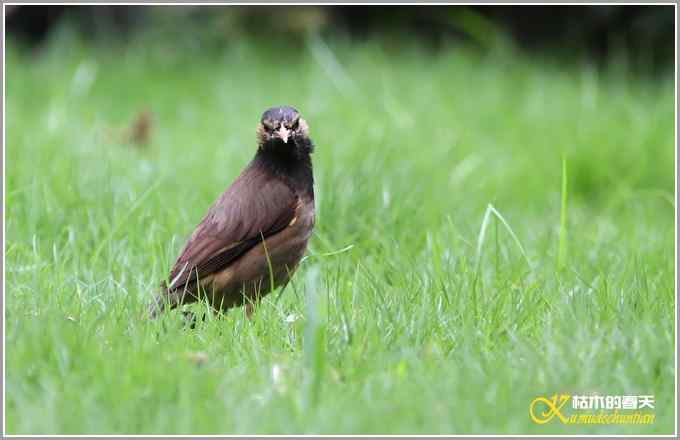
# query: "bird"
[254,236]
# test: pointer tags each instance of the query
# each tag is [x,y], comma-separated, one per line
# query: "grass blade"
[482,233]
[562,252]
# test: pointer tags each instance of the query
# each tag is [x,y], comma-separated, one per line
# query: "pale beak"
[283,133]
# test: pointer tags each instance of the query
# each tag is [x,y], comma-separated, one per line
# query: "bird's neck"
[295,167]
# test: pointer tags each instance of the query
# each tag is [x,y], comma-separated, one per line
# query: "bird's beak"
[283,133]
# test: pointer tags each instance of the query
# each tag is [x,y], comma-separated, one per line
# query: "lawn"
[492,227]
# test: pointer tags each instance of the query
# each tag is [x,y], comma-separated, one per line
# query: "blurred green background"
[645,33]
[495,216]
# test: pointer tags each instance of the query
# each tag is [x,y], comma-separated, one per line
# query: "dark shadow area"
[645,34]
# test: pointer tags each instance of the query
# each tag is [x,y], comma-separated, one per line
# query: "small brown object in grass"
[140,129]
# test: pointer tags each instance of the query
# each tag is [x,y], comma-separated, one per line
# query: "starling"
[254,236]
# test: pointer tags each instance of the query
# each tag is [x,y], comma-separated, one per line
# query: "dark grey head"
[280,125]
[285,114]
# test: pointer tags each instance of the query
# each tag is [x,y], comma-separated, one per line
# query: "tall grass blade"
[482,233]
[562,252]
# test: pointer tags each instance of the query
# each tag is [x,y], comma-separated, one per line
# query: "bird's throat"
[293,164]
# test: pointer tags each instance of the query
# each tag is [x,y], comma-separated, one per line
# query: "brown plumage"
[257,230]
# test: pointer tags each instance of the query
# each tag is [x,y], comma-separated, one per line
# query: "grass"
[415,310]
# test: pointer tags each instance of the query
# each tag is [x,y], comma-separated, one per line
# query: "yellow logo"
[550,408]
[593,409]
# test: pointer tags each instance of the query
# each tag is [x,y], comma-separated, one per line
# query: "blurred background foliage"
[643,35]
[608,47]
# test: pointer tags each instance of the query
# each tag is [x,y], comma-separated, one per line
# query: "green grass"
[417,325]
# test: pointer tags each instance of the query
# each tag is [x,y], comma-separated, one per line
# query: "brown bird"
[257,230]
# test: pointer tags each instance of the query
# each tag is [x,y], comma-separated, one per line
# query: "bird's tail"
[156,306]
[168,299]
[160,302]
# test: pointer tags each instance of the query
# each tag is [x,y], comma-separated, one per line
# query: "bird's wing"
[256,206]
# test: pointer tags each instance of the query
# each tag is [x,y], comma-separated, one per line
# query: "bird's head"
[282,127]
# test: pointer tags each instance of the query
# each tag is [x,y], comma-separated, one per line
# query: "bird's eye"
[295,124]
